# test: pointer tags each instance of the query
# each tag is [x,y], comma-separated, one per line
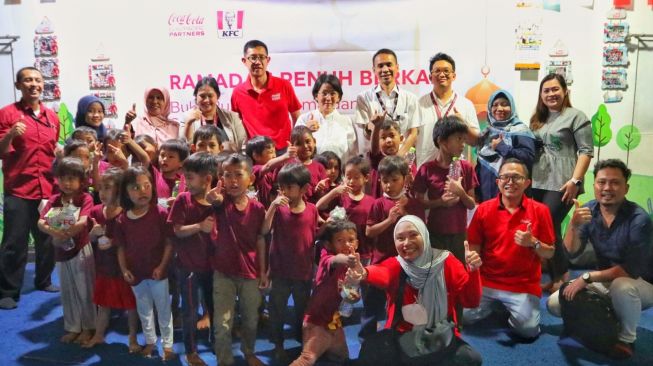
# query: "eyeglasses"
[138,187]
[257,58]
[446,72]
[504,178]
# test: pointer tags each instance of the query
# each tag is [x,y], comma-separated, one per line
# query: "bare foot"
[134,347]
[194,359]
[147,350]
[69,337]
[204,323]
[168,354]
[252,360]
[93,341]
[84,336]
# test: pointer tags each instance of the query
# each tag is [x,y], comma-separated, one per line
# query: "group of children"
[216,228]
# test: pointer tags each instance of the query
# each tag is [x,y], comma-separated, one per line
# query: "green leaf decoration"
[628,138]
[601,132]
[66,123]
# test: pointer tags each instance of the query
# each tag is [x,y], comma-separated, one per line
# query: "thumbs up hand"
[130,115]
[313,124]
[215,196]
[472,258]
[97,230]
[525,238]
[581,215]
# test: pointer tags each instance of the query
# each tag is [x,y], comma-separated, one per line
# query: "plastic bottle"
[410,156]
[63,221]
[455,171]
[175,190]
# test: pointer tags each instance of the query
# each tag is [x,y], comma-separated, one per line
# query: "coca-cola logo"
[185,19]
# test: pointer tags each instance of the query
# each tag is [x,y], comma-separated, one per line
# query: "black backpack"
[590,319]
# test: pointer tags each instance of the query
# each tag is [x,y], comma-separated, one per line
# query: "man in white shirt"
[387,100]
[439,103]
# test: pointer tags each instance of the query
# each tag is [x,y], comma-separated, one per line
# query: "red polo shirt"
[27,165]
[266,113]
[506,265]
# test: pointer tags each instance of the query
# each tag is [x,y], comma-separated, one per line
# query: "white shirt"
[426,150]
[336,134]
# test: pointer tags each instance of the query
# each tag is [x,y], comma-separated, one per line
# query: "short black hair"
[202,163]
[327,79]
[238,159]
[447,126]
[207,81]
[516,161]
[253,44]
[207,132]
[141,139]
[384,51]
[73,145]
[298,132]
[257,144]
[388,124]
[332,227]
[612,163]
[393,164]
[361,163]
[130,176]
[441,56]
[81,131]
[177,145]
[19,74]
[70,167]
[294,173]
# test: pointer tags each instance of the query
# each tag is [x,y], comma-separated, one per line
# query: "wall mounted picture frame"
[614,78]
[615,32]
[615,55]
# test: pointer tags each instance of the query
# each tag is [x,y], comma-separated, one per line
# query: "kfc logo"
[230,23]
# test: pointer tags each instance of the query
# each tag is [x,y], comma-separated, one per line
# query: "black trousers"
[559,264]
[20,219]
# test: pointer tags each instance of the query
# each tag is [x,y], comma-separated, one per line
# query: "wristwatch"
[586,277]
[537,245]
[577,182]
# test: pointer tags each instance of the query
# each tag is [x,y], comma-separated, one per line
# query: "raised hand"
[292,150]
[312,123]
[323,185]
[281,200]
[206,226]
[472,258]
[581,215]
[215,195]
[525,238]
[496,141]
[130,115]
[97,230]
[378,118]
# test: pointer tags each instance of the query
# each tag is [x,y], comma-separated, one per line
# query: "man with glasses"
[512,233]
[621,233]
[29,132]
[442,101]
[264,102]
[387,101]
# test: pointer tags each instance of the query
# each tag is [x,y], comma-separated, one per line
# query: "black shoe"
[621,351]
[7,303]
[49,288]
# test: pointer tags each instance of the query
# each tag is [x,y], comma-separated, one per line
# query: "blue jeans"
[195,287]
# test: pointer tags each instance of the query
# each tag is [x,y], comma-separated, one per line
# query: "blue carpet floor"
[29,337]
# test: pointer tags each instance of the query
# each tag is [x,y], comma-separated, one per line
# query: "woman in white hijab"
[435,282]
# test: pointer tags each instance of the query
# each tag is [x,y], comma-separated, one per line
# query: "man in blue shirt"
[621,233]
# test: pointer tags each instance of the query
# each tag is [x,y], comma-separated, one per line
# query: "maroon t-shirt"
[143,240]
[234,250]
[431,179]
[317,174]
[358,212]
[263,182]
[292,245]
[106,260]
[193,252]
[84,202]
[384,245]
[164,186]
[325,299]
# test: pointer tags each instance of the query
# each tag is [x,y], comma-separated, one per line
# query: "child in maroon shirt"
[302,138]
[168,178]
[110,290]
[293,224]
[333,167]
[75,262]
[193,223]
[144,251]
[386,140]
[322,330]
[385,212]
[266,163]
[238,259]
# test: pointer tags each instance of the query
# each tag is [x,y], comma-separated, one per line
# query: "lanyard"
[215,122]
[46,123]
[437,107]
[392,115]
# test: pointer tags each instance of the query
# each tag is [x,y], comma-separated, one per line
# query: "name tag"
[276,96]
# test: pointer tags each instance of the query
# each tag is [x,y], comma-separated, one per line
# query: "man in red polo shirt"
[28,138]
[264,102]
[512,233]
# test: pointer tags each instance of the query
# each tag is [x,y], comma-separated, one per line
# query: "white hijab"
[426,274]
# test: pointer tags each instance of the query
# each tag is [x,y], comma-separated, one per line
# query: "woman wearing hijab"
[155,122]
[435,282]
[506,136]
[90,113]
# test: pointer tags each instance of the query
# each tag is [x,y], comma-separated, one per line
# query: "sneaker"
[621,351]
[50,288]
[7,303]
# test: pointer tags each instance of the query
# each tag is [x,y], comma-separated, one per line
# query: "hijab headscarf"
[426,274]
[80,117]
[510,127]
[162,119]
